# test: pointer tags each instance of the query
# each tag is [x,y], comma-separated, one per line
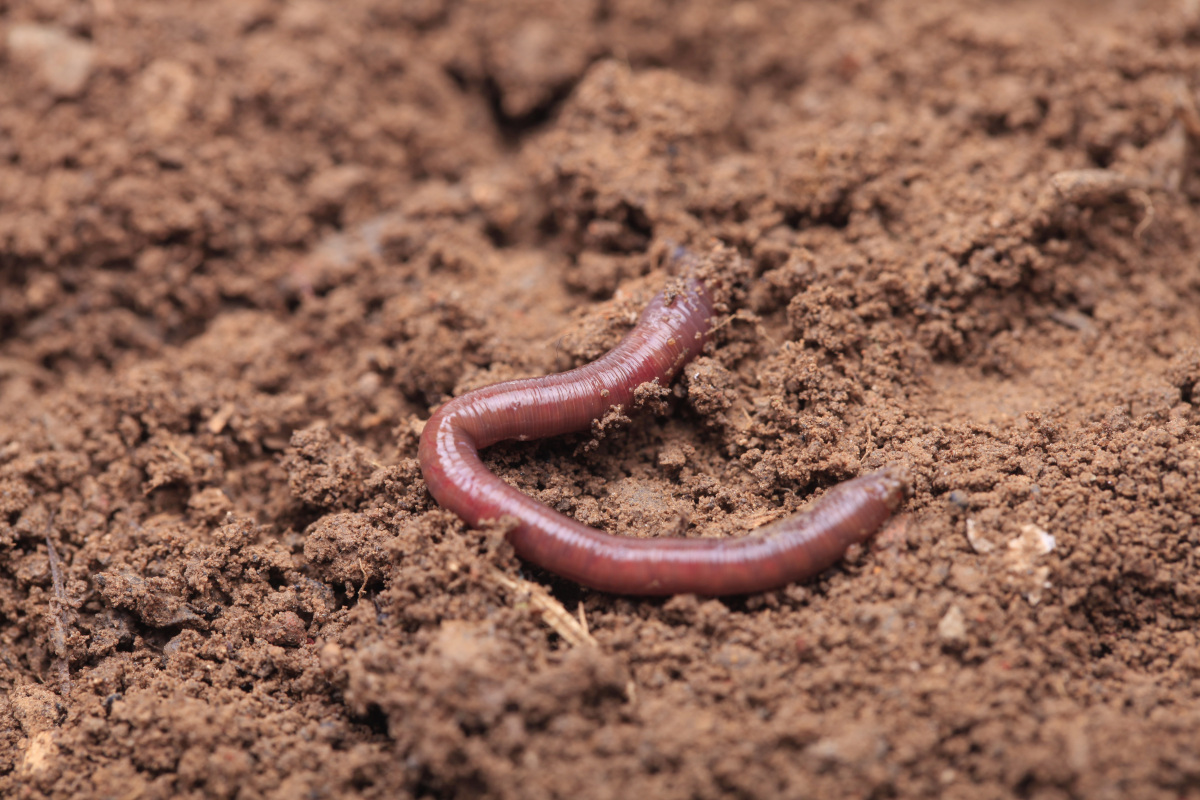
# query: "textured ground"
[245,247]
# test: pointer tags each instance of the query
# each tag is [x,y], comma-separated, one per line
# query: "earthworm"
[671,331]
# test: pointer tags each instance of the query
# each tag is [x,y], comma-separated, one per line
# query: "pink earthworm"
[671,331]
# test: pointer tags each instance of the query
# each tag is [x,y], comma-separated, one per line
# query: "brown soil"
[245,247]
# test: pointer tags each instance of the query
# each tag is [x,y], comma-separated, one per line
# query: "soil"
[247,246]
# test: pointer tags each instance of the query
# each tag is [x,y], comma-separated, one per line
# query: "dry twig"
[552,612]
[58,628]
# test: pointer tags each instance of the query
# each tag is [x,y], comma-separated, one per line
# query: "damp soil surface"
[247,247]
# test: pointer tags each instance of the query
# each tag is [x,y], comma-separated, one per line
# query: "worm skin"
[671,331]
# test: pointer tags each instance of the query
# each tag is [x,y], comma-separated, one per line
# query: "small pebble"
[976,539]
[285,629]
[952,630]
[63,62]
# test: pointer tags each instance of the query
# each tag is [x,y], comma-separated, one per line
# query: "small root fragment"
[583,619]
[572,630]
[58,628]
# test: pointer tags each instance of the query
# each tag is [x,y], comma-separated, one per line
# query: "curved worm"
[671,331]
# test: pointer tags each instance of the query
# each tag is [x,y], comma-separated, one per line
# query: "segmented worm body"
[672,330]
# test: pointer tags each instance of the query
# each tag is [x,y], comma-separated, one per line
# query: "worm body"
[670,332]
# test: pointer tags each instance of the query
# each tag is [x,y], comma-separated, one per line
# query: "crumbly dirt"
[246,246]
